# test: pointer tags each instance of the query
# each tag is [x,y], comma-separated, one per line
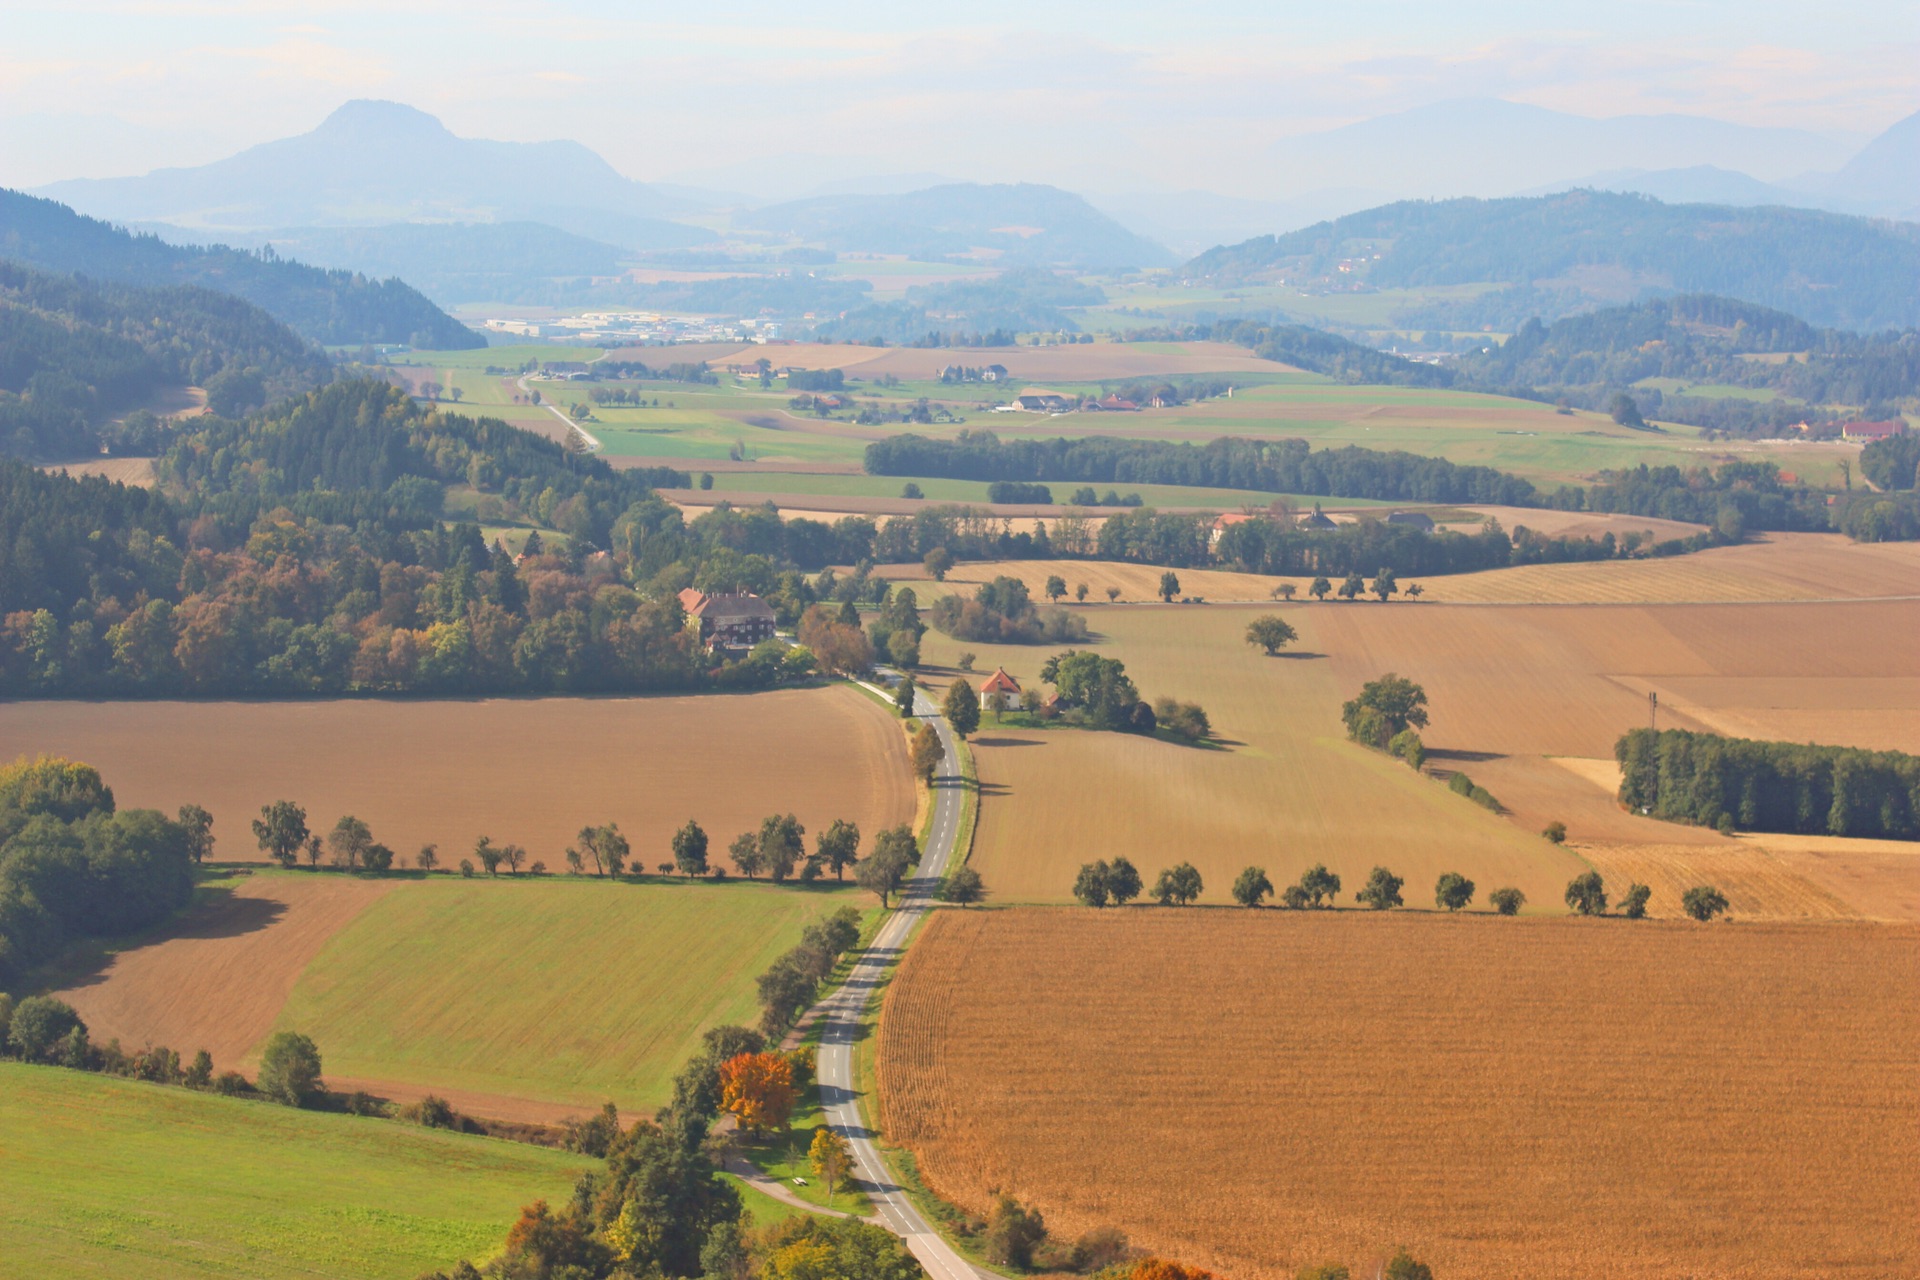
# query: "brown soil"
[218,980]
[527,771]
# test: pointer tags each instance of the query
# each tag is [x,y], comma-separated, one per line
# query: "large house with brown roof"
[728,621]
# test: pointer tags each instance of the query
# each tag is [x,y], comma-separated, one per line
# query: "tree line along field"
[516,999]
[1526,700]
[530,771]
[1525,1098]
[103,1176]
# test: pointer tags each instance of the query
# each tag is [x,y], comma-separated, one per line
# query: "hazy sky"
[1102,95]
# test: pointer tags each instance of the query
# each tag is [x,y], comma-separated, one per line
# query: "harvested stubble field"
[1506,1098]
[1283,790]
[1787,566]
[527,771]
[107,1177]
[1528,700]
[520,999]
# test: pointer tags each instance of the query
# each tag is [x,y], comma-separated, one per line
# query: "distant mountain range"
[1023,224]
[334,307]
[372,163]
[1559,254]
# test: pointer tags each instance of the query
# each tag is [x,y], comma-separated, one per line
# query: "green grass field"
[559,990]
[696,422]
[108,1177]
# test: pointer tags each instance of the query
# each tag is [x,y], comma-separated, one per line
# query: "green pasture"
[563,989]
[1709,390]
[108,1177]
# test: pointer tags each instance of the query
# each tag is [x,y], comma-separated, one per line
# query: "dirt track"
[219,980]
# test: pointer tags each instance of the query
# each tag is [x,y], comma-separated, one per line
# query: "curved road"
[842,1012]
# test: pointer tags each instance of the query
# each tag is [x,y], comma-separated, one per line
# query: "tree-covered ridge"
[1830,269]
[336,307]
[1701,339]
[73,351]
[306,551]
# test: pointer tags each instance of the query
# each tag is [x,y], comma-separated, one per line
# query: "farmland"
[692,424]
[112,1177]
[1505,1098]
[516,998]
[528,771]
[1528,700]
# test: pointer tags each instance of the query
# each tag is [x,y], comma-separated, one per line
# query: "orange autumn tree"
[758,1089]
[1161,1269]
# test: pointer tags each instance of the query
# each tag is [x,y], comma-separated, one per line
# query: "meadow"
[516,998]
[1522,1098]
[102,1176]
[530,771]
[737,420]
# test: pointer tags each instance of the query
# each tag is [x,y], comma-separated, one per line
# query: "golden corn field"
[1525,1098]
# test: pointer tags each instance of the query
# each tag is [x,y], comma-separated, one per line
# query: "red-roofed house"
[1001,682]
[729,621]
[1223,523]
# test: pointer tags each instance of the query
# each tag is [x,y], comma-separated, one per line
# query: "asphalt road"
[842,1012]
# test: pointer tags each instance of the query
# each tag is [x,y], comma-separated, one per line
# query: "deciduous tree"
[1382,890]
[903,696]
[1090,886]
[757,1089]
[926,753]
[963,887]
[746,855]
[1169,586]
[1587,894]
[1507,901]
[1634,904]
[1123,881]
[1178,885]
[830,1157]
[198,824]
[1251,887]
[782,844]
[281,830]
[1703,902]
[289,1068]
[1452,891]
[690,849]
[1271,633]
[348,842]
[1385,584]
[883,871]
[838,847]
[961,707]
[1319,883]
[1319,588]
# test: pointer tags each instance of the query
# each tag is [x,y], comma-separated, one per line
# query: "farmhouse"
[1872,430]
[1318,520]
[1223,523]
[993,373]
[1115,404]
[1000,682]
[728,621]
[565,370]
[1413,519]
[1035,400]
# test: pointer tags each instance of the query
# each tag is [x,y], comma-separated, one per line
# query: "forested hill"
[74,352]
[1560,253]
[1703,340]
[334,307]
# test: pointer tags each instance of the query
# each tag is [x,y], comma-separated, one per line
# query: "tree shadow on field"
[226,916]
[1007,742]
[1469,757]
[1297,655]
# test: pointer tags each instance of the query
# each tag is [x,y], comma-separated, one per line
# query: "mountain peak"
[366,117]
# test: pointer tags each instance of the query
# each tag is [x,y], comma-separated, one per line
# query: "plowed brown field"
[1534,1099]
[530,771]
[219,980]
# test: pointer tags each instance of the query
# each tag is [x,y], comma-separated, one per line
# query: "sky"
[1113,95]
